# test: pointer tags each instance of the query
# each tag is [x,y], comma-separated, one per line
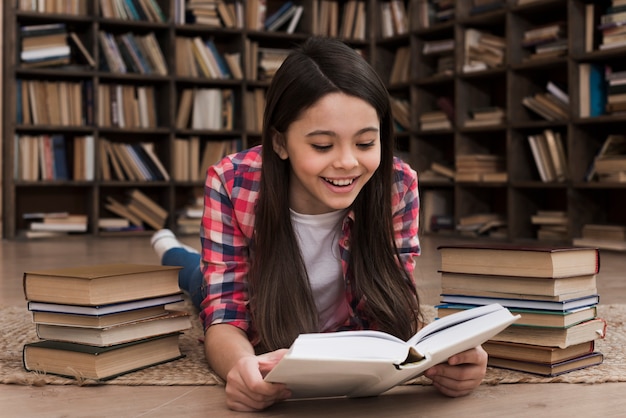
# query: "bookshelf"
[157,90]
[435,92]
[510,75]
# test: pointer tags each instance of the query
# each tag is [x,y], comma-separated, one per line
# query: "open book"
[367,363]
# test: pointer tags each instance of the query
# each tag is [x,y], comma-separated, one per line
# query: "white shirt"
[317,236]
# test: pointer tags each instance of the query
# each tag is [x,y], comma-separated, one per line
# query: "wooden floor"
[519,400]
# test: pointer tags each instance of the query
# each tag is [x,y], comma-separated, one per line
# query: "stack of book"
[483,50]
[613,147]
[44,45]
[97,322]
[56,222]
[476,224]
[139,210]
[615,89]
[434,120]
[552,225]
[613,25]
[606,237]
[485,116]
[554,291]
[480,167]
[552,104]
[546,41]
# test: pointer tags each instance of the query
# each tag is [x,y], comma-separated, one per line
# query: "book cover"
[173,321]
[537,353]
[512,260]
[519,284]
[534,317]
[551,337]
[103,310]
[552,305]
[367,363]
[100,284]
[99,363]
[98,321]
[549,370]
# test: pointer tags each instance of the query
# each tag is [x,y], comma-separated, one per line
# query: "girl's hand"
[461,374]
[245,388]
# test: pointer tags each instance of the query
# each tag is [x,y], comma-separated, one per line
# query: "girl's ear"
[278,143]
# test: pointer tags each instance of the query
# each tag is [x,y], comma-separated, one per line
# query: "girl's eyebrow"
[332,133]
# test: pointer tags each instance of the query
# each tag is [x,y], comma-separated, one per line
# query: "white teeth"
[344,182]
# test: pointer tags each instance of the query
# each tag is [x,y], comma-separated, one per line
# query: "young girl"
[313,231]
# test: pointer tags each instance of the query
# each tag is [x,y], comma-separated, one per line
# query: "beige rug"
[18,329]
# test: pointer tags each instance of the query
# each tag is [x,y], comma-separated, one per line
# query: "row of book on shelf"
[46,157]
[48,45]
[61,103]
[328,18]
[52,158]
[552,289]
[139,10]
[118,318]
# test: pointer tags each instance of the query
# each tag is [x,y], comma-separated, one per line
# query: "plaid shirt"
[231,192]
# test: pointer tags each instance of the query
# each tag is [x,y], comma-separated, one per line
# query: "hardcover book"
[544,369]
[537,353]
[510,260]
[534,317]
[100,363]
[367,363]
[100,284]
[173,321]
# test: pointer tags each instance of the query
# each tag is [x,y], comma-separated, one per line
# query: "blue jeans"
[190,279]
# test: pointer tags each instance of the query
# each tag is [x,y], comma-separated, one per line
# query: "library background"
[511,111]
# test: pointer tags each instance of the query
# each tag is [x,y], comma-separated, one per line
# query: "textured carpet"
[18,329]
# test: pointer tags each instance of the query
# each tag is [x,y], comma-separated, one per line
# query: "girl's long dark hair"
[281,301]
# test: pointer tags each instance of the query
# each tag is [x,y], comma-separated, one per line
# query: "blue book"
[132,11]
[597,90]
[277,14]
[60,157]
[549,305]
[137,50]
[221,63]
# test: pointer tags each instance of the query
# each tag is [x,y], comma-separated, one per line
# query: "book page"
[451,320]
[350,345]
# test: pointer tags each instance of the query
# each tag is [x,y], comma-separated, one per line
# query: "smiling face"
[333,149]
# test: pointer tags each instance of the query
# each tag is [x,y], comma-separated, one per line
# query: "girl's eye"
[367,144]
[321,147]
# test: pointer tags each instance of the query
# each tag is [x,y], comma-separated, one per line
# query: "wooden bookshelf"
[516,196]
[90,196]
[521,194]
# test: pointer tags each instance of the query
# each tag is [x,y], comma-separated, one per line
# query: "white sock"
[164,240]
